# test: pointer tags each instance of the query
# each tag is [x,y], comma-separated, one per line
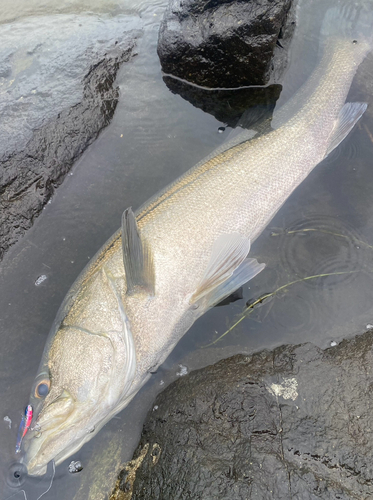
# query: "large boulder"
[225,43]
[295,423]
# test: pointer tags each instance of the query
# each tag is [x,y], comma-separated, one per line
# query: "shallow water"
[325,227]
[40,70]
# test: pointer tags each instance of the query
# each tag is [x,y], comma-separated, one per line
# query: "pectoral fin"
[227,270]
[137,260]
[349,115]
[245,272]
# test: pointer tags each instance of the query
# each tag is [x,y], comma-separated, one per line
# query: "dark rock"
[228,106]
[225,43]
[293,423]
[29,177]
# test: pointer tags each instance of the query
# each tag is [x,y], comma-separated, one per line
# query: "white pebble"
[75,467]
[333,343]
[155,408]
[369,326]
[40,280]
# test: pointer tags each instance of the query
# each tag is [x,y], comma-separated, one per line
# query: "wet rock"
[59,95]
[293,423]
[225,43]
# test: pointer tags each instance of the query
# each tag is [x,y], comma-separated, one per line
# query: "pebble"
[40,280]
[75,467]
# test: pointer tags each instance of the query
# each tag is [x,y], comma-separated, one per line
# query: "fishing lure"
[24,427]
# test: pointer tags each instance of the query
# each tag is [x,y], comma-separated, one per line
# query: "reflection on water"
[325,227]
[341,246]
[229,106]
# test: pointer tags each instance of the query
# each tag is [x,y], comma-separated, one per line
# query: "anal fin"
[349,115]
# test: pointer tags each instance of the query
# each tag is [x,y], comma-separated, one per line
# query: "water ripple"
[322,244]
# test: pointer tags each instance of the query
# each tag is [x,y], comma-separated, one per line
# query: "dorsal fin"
[137,260]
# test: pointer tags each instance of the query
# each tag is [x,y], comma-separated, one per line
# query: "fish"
[183,252]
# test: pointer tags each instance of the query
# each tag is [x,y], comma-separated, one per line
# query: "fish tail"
[349,21]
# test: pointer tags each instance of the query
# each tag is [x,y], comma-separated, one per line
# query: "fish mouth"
[41,451]
[43,445]
[36,470]
[54,439]
[46,442]
[32,458]
[57,438]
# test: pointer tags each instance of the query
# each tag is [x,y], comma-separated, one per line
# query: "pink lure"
[24,427]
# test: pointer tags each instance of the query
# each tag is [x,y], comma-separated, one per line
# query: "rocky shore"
[292,423]
[47,140]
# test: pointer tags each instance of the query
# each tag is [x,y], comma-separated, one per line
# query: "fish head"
[79,387]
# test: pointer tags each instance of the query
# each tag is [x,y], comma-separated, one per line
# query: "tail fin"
[349,21]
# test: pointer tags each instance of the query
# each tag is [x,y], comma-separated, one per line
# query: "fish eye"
[42,388]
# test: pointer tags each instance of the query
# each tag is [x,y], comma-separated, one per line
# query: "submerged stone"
[294,422]
[225,43]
